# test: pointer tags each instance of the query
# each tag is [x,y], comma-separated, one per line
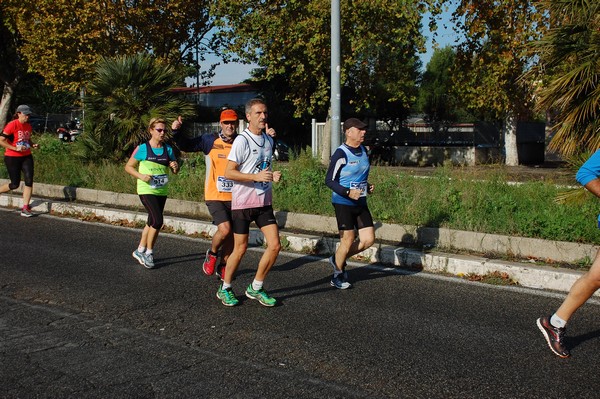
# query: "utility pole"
[335,75]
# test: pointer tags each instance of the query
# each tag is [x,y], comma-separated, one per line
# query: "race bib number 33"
[224,185]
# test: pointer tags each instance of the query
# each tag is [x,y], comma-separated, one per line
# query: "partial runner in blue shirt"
[553,327]
[590,170]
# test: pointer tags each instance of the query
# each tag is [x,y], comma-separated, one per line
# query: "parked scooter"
[63,133]
[75,129]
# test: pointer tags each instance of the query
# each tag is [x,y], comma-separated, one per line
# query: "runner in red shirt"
[16,139]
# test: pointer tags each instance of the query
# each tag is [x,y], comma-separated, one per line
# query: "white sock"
[257,285]
[557,321]
[226,285]
[149,251]
[141,249]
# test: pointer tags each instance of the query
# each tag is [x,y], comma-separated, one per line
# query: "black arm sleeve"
[332,178]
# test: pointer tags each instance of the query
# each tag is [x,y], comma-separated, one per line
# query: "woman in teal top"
[150,164]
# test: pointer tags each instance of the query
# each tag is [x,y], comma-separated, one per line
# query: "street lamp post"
[335,97]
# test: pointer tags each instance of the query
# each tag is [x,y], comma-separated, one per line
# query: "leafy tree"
[293,131]
[291,38]
[43,98]
[492,58]
[569,72]
[437,97]
[64,39]
[124,95]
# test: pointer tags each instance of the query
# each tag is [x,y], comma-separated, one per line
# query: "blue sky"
[233,73]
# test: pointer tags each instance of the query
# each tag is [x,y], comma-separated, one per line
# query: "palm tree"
[122,98]
[570,72]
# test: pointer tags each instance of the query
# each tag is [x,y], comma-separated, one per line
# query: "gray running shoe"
[148,261]
[138,256]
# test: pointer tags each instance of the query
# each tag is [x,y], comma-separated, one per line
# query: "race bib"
[362,186]
[159,181]
[24,144]
[224,185]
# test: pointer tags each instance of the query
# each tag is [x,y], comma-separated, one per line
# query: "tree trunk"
[7,95]
[510,140]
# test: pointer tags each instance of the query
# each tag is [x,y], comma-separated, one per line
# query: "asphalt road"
[80,318]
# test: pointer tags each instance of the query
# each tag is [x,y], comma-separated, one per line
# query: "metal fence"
[420,134]
[51,122]
[196,129]
[459,134]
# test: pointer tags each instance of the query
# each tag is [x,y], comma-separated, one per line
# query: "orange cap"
[229,115]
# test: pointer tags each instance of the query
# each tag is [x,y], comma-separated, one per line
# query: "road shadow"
[322,284]
[197,259]
[574,341]
[165,261]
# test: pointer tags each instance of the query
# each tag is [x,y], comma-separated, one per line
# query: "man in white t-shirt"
[249,166]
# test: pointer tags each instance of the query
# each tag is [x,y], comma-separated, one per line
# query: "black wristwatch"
[347,193]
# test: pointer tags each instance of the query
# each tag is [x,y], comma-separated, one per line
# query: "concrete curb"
[521,247]
[533,276]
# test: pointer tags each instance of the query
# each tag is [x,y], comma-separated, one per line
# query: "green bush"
[302,188]
[452,198]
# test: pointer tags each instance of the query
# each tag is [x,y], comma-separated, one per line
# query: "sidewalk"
[192,218]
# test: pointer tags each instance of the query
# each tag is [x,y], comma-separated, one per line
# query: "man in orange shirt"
[217,189]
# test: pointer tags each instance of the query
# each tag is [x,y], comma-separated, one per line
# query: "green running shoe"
[261,296]
[227,296]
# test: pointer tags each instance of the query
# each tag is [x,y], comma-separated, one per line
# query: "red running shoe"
[208,267]
[221,272]
[554,337]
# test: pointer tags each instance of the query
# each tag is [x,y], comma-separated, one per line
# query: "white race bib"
[159,181]
[224,185]
[362,186]
[24,144]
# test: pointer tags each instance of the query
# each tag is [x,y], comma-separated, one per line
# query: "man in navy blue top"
[347,177]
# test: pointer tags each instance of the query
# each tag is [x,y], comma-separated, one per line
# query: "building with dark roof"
[216,97]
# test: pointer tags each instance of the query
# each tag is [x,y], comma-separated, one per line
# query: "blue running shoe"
[340,281]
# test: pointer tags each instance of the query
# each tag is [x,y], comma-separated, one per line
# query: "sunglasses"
[159,130]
